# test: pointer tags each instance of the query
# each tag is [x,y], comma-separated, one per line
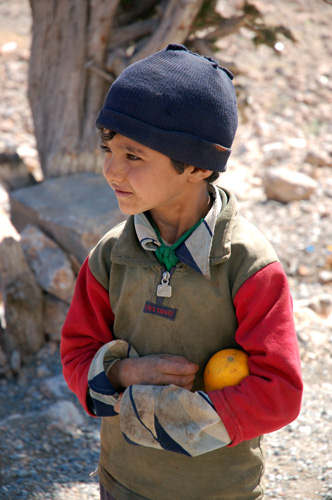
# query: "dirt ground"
[288,115]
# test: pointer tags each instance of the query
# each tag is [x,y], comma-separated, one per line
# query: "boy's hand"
[117,405]
[155,369]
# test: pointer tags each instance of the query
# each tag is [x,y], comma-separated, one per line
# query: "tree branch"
[139,10]
[99,71]
[174,27]
[227,27]
[117,61]
[132,32]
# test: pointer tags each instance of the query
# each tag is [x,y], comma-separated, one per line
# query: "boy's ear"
[198,174]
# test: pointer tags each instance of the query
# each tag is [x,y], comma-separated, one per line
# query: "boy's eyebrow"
[130,148]
[134,149]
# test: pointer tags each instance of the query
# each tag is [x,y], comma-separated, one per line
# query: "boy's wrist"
[116,375]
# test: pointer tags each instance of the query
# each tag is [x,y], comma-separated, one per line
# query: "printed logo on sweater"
[159,310]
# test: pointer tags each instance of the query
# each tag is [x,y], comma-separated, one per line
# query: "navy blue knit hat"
[178,103]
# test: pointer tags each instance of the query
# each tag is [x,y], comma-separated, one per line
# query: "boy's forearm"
[117,366]
[161,369]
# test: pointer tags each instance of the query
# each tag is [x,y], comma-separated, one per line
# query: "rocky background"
[281,173]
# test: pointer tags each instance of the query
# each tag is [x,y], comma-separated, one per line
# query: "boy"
[182,278]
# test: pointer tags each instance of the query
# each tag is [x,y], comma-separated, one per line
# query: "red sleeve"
[270,397]
[88,326]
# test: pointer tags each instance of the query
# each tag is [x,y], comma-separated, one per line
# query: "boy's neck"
[172,224]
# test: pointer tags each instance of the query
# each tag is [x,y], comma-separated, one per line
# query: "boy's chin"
[128,211]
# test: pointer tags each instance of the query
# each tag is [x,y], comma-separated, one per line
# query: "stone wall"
[46,232]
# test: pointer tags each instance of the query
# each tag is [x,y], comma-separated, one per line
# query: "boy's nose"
[113,171]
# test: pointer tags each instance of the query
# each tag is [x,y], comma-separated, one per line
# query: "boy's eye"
[104,148]
[133,157]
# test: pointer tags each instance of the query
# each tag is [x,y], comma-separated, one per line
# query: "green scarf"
[165,253]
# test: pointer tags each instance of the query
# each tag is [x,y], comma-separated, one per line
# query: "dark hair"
[180,168]
[107,135]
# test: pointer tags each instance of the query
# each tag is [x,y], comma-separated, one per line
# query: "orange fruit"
[226,367]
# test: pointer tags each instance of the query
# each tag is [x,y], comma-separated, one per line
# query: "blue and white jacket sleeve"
[102,394]
[162,417]
[171,418]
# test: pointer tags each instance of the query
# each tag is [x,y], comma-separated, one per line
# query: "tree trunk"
[78,48]
[64,95]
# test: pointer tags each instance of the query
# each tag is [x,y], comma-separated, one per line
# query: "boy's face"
[142,178]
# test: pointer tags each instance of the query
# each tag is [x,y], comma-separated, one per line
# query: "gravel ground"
[288,115]
[39,458]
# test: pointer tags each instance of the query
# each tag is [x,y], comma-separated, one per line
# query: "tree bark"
[64,94]
[174,27]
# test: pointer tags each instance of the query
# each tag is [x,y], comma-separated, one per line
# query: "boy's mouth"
[121,192]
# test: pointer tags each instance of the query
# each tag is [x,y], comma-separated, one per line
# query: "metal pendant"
[164,289]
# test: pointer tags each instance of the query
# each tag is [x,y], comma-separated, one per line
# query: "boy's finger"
[178,366]
[116,407]
[181,381]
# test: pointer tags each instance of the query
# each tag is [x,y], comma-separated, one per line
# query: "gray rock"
[65,416]
[42,371]
[21,295]
[15,361]
[4,366]
[287,185]
[7,230]
[50,265]
[13,172]
[325,277]
[4,200]
[75,210]
[322,304]
[55,312]
[55,386]
[318,159]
